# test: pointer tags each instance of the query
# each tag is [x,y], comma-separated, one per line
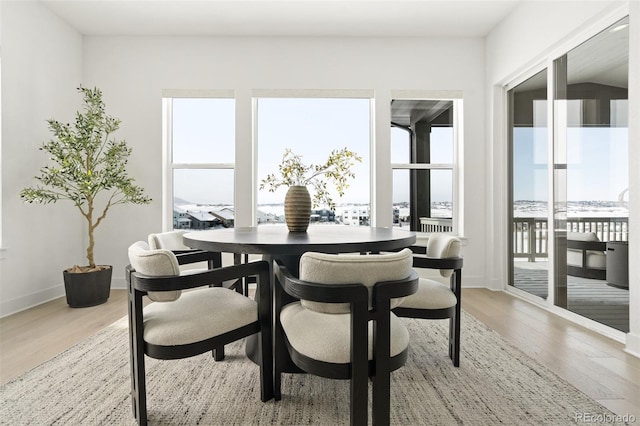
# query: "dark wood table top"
[276,240]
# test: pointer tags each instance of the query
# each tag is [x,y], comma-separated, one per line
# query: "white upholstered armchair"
[342,327]
[181,324]
[434,300]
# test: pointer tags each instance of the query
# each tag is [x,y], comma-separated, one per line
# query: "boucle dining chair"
[181,324]
[435,300]
[172,240]
[343,328]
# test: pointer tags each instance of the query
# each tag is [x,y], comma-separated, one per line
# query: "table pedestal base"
[253,353]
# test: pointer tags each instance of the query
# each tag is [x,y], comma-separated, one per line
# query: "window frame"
[380,167]
[309,95]
[455,166]
[167,147]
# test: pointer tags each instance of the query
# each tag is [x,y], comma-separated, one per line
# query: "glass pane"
[529,193]
[203,130]
[400,145]
[422,133]
[401,211]
[441,193]
[437,206]
[442,145]
[312,128]
[591,179]
[202,198]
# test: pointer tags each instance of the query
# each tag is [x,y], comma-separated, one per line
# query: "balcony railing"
[530,235]
[435,224]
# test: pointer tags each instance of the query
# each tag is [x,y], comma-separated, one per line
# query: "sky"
[597,166]
[204,131]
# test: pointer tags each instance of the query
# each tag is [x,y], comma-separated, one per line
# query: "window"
[208,135]
[312,128]
[200,147]
[423,149]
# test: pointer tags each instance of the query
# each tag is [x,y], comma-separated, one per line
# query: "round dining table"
[275,242]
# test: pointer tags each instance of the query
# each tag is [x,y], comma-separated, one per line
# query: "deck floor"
[593,299]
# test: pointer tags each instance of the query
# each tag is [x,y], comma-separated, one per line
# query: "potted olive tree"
[88,167]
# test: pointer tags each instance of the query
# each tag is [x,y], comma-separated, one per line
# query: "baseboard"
[474,282]
[632,346]
[22,303]
[13,306]
[119,283]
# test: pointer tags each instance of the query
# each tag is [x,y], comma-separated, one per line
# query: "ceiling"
[321,18]
[405,112]
[358,18]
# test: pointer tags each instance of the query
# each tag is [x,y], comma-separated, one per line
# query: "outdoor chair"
[434,300]
[586,256]
[343,328]
[181,324]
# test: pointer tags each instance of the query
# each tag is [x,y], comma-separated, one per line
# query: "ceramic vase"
[297,208]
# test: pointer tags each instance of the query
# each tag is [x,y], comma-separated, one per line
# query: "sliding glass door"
[529,207]
[591,178]
[584,239]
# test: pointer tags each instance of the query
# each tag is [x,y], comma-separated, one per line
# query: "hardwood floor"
[31,337]
[593,363]
[589,361]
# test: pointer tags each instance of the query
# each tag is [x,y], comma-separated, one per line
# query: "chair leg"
[454,338]
[218,353]
[381,410]
[266,366]
[136,355]
[277,380]
[381,398]
[359,399]
[139,392]
[278,355]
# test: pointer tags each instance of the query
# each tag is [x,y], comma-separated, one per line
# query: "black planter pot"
[87,288]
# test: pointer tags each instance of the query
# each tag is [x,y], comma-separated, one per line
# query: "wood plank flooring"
[31,337]
[593,363]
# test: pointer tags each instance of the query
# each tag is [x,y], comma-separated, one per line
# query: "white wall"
[41,67]
[535,33]
[133,71]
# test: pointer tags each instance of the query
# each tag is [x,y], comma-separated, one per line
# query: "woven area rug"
[495,384]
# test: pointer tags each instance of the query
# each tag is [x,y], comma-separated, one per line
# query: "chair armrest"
[395,289]
[587,245]
[437,263]
[182,282]
[192,256]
